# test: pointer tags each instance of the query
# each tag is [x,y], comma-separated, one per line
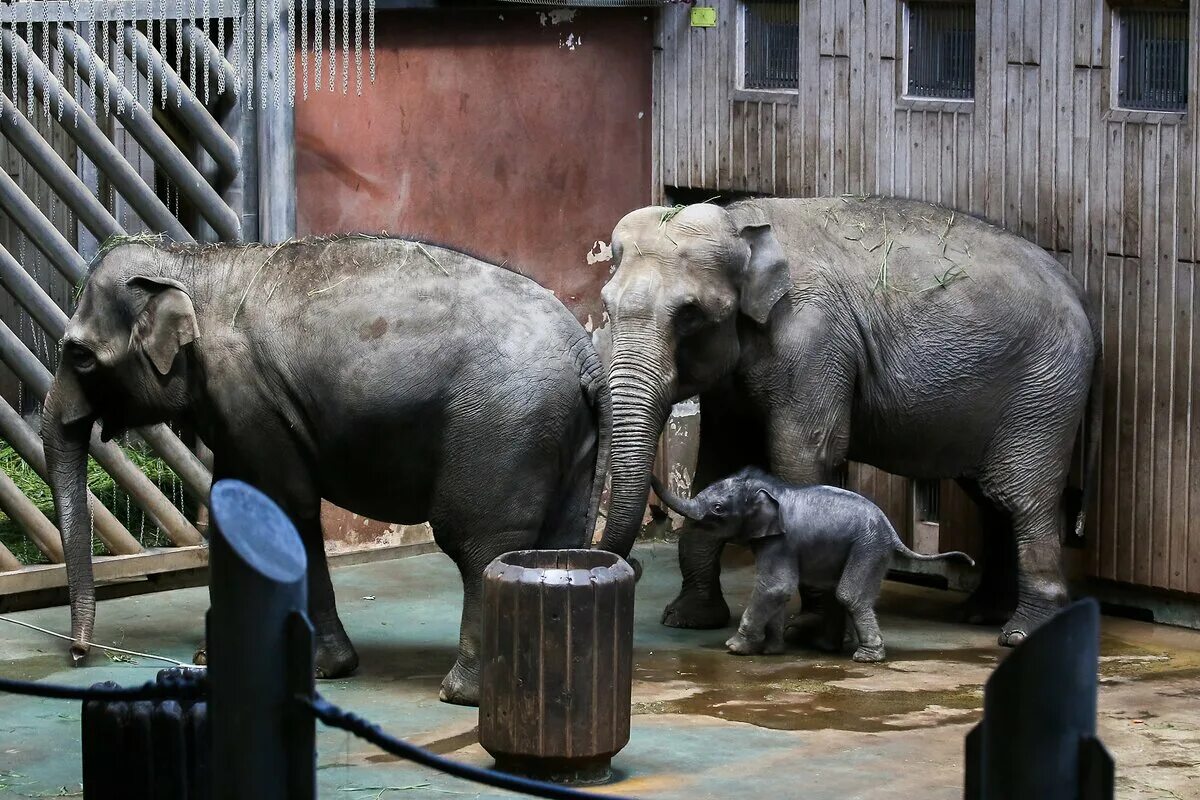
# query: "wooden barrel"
[557,663]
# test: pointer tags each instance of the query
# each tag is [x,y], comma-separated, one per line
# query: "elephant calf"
[818,537]
[399,380]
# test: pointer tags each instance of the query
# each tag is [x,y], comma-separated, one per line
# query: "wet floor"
[706,724]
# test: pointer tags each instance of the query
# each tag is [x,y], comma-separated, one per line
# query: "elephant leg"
[995,598]
[700,604]
[335,655]
[1041,590]
[857,591]
[461,684]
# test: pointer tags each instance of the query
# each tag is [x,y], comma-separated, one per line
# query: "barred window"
[1153,62]
[941,50]
[772,57]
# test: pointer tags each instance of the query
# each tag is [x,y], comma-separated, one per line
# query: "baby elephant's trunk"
[903,550]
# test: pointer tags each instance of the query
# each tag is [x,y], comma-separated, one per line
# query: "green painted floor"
[706,724]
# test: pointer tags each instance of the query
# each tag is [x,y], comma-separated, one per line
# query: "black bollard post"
[260,652]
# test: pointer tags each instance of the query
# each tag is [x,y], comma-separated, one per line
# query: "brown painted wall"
[517,134]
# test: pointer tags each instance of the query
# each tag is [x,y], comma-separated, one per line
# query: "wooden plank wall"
[1112,194]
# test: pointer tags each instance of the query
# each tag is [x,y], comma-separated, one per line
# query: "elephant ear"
[765,516]
[765,278]
[166,323]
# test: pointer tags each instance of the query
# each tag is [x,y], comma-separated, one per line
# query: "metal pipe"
[160,510]
[29,447]
[217,64]
[44,235]
[276,148]
[40,530]
[61,178]
[8,562]
[88,137]
[195,476]
[188,108]
[141,126]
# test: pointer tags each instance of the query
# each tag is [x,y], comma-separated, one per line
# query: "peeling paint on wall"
[599,252]
[557,16]
[571,42]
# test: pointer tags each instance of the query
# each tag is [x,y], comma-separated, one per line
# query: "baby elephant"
[817,536]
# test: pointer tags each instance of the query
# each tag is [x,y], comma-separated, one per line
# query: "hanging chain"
[318,45]
[291,55]
[31,44]
[346,6]
[252,65]
[220,47]
[371,35]
[46,104]
[358,59]
[206,31]
[304,44]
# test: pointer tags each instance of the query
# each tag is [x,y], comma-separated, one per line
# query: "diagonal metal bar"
[29,447]
[190,111]
[37,527]
[8,562]
[41,232]
[165,515]
[218,65]
[61,178]
[88,137]
[195,476]
[141,125]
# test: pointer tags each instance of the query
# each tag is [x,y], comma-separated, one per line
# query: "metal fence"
[119,117]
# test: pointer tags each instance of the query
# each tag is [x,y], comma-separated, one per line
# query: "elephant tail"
[594,381]
[1077,502]
[903,550]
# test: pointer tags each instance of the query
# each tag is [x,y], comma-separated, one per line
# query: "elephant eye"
[718,509]
[82,359]
[689,317]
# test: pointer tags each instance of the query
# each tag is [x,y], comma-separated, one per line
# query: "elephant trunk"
[688,508]
[640,379]
[66,447]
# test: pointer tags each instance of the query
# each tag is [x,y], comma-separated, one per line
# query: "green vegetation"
[103,488]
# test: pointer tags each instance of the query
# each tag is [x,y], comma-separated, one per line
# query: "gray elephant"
[814,536]
[400,380]
[913,338]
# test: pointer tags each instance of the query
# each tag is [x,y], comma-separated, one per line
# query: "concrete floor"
[707,725]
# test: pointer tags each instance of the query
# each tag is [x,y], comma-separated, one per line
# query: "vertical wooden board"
[1014,31]
[756,158]
[737,139]
[1065,102]
[729,79]
[856,64]
[671,132]
[826,116]
[1193,443]
[1169,572]
[1131,219]
[980,116]
[605,716]
[902,151]
[1131,561]
[1152,350]
[1012,148]
[959,528]
[687,83]
[995,182]
[888,27]
[948,166]
[827,27]
[964,158]
[1112,229]
[870,98]
[783,149]
[1032,43]
[810,96]
[709,80]
[1047,153]
[1081,32]
[841,29]
[585,657]
[1029,210]
[886,142]
[841,126]
[555,718]
[1110,445]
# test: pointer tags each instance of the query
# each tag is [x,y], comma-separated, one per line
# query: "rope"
[105,647]
[168,686]
[336,717]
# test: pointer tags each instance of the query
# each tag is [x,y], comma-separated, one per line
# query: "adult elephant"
[400,380]
[910,337]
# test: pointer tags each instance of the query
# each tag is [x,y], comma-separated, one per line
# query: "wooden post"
[260,651]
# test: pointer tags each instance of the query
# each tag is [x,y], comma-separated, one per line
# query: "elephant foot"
[1011,637]
[774,646]
[869,655]
[335,656]
[461,686]
[739,645]
[696,612]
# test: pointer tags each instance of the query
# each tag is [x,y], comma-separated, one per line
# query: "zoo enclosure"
[122,117]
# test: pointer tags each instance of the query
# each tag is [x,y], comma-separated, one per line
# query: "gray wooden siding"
[1112,194]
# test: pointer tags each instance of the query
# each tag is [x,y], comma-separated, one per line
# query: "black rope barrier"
[336,717]
[168,687]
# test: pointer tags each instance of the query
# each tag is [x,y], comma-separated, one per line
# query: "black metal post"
[260,652]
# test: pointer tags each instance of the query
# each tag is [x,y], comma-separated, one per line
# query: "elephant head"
[120,365]
[686,281]
[737,508]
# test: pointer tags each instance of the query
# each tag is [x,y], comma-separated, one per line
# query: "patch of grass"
[105,490]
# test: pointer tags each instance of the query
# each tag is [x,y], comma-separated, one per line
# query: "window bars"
[941,50]
[772,45]
[1153,59]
